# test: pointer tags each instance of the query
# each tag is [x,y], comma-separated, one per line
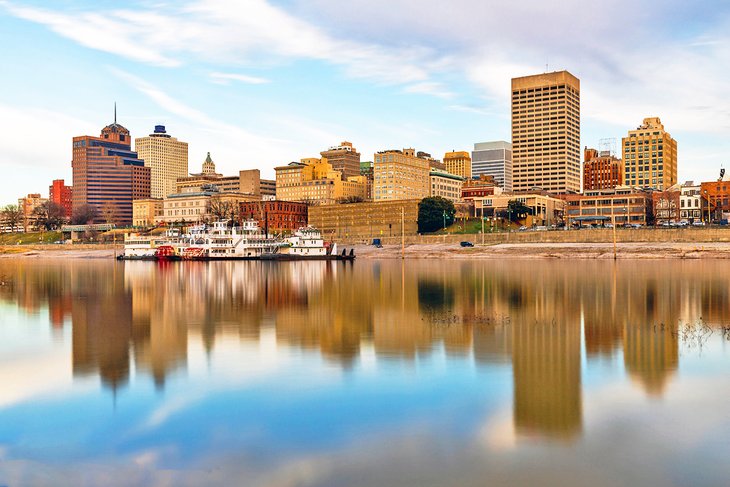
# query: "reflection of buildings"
[547,389]
[102,328]
[485,313]
[651,355]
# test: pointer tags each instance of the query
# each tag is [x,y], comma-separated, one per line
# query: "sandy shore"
[639,250]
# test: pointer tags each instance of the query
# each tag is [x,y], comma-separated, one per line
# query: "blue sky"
[260,83]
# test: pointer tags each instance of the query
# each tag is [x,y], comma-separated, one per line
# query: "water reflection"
[537,318]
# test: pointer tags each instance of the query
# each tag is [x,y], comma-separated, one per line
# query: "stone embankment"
[634,250]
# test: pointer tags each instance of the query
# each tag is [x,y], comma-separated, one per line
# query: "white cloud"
[429,88]
[226,78]
[227,31]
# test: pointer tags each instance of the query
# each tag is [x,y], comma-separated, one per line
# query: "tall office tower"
[167,159]
[650,156]
[400,175]
[546,132]
[493,159]
[344,158]
[458,163]
[61,194]
[601,170]
[108,175]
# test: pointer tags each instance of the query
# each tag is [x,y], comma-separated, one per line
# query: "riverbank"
[59,251]
[632,250]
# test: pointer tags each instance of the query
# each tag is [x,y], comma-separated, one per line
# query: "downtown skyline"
[260,84]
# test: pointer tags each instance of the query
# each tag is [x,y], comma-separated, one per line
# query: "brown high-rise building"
[650,156]
[546,132]
[108,175]
[61,194]
[601,170]
[344,158]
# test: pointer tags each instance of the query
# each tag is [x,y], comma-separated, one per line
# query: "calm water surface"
[365,374]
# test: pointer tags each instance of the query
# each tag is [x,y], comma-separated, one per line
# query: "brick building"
[715,199]
[601,170]
[621,205]
[666,205]
[277,216]
[108,175]
[61,195]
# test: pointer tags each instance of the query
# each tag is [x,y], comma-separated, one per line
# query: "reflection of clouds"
[26,377]
[498,432]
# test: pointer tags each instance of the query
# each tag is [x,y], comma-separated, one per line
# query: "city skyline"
[326,74]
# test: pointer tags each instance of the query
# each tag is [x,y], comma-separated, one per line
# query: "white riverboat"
[307,243]
[146,247]
[218,241]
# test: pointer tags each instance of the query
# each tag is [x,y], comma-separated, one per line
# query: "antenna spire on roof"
[115,112]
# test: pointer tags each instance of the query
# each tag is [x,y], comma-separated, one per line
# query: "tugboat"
[307,243]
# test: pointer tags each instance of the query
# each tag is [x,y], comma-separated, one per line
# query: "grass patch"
[30,238]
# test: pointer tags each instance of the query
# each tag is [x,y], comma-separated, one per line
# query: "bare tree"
[222,209]
[48,215]
[84,215]
[109,212]
[12,215]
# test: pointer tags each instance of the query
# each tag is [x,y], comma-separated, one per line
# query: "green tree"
[48,215]
[11,216]
[433,213]
[516,211]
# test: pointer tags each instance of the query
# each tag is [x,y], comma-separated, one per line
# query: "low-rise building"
[544,208]
[27,206]
[484,185]
[666,205]
[366,220]
[276,216]
[204,206]
[690,202]
[715,199]
[446,185]
[147,212]
[621,205]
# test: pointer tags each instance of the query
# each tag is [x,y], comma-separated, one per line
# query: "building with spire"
[108,175]
[167,159]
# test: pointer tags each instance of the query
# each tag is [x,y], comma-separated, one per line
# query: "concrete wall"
[570,236]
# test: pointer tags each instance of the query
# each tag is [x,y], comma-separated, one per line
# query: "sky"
[260,83]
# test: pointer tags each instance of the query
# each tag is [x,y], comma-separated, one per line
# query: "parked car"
[698,224]
[523,228]
[466,244]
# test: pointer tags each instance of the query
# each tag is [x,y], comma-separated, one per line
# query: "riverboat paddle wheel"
[165,252]
[192,253]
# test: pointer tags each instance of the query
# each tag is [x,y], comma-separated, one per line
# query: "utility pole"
[402,233]
[482,224]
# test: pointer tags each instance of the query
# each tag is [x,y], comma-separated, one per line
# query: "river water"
[373,373]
